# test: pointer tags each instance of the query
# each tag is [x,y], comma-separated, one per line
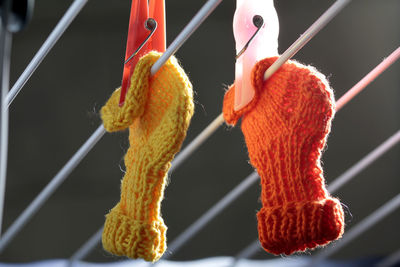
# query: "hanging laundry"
[285,123]
[157,109]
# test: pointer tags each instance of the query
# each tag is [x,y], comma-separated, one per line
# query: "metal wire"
[318,25]
[364,162]
[197,142]
[190,28]
[372,75]
[249,251]
[58,31]
[5,54]
[87,247]
[50,188]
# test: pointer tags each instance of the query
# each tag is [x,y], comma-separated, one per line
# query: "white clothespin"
[256,31]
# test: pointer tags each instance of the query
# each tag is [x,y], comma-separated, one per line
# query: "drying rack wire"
[51,40]
[206,10]
[5,54]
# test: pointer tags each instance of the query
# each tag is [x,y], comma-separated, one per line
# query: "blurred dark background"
[58,110]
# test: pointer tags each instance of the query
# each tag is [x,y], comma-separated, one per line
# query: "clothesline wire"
[371,76]
[347,176]
[86,247]
[197,142]
[358,229]
[5,54]
[391,260]
[248,251]
[35,205]
[51,40]
[327,16]
[364,162]
[318,25]
[60,177]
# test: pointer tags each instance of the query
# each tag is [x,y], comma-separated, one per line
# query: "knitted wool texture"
[157,111]
[285,129]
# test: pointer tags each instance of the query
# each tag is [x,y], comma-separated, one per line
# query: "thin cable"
[87,247]
[197,142]
[319,24]
[347,176]
[366,224]
[368,78]
[190,28]
[391,260]
[5,54]
[249,251]
[58,31]
[364,162]
[50,188]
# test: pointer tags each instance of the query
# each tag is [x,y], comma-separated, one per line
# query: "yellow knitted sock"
[157,111]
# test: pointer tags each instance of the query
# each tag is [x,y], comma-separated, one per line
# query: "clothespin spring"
[258,21]
[151,25]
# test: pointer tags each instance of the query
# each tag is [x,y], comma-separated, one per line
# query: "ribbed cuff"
[298,226]
[135,239]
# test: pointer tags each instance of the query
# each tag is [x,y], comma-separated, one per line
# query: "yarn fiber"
[157,111]
[285,129]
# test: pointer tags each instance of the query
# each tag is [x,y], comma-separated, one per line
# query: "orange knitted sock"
[285,128]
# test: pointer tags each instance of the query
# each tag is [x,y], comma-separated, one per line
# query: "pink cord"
[368,79]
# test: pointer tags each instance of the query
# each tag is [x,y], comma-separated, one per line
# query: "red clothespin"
[140,41]
[157,12]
